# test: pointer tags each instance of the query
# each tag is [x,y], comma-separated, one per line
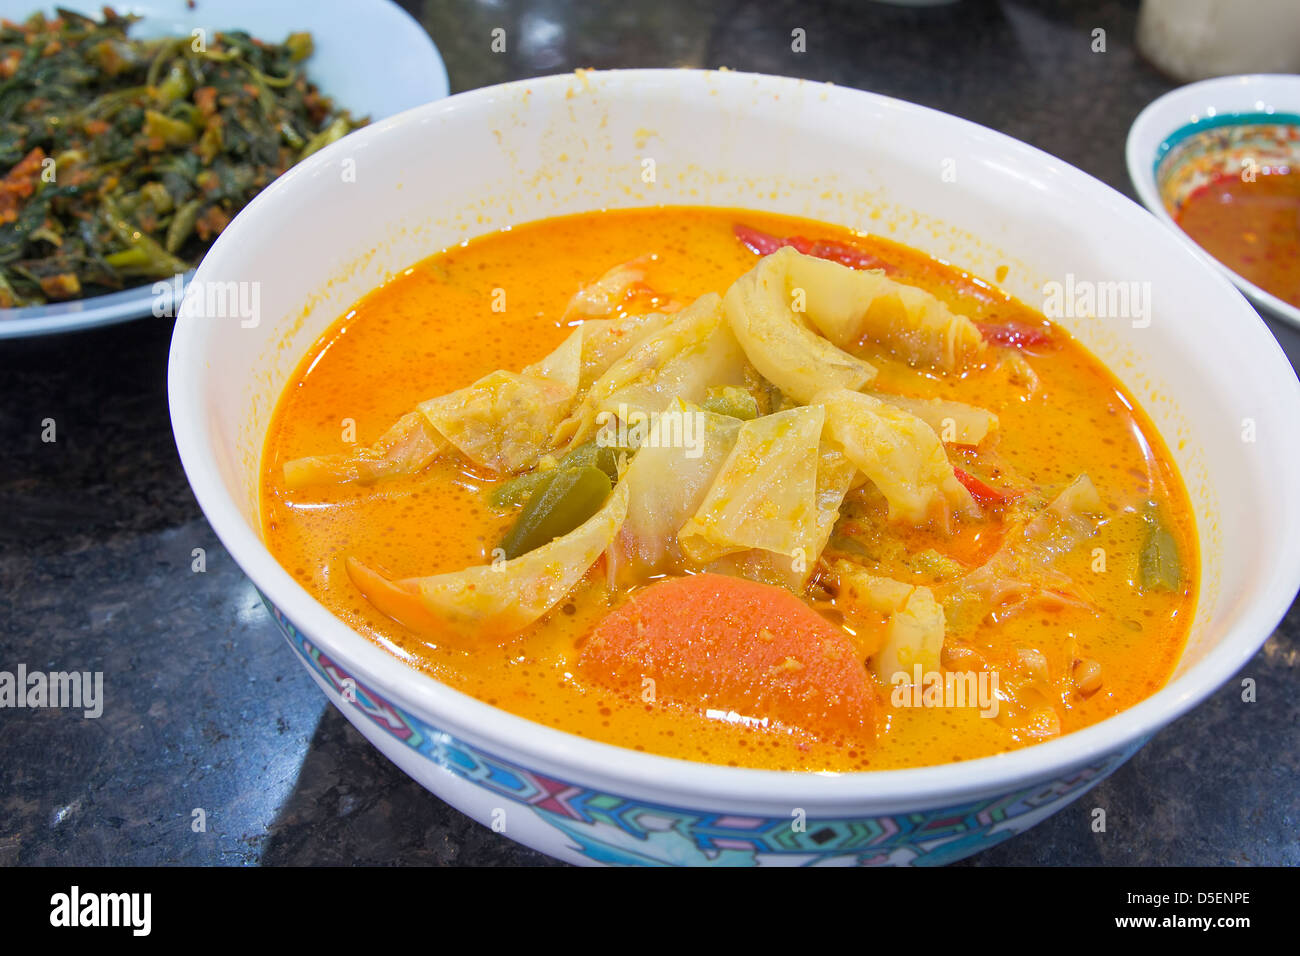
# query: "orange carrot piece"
[715,642]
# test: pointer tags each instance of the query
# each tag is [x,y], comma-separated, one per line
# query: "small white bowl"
[1221,104]
[370,57]
[1201,363]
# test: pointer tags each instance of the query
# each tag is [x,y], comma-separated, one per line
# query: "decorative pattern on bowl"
[1245,144]
[615,829]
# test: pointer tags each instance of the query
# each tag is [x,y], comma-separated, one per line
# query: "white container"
[1196,39]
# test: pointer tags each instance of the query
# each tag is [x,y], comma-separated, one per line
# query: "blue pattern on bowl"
[616,829]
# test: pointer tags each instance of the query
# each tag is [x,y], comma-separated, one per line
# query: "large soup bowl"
[1191,349]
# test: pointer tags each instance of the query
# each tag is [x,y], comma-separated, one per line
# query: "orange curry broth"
[432,329]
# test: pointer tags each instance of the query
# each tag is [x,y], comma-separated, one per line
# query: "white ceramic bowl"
[371,57]
[1220,105]
[1204,367]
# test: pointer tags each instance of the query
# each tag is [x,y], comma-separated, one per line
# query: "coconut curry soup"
[736,488]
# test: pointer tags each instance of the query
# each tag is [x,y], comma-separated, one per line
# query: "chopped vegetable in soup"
[738,488]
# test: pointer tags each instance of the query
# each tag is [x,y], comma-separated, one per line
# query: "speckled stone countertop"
[205,708]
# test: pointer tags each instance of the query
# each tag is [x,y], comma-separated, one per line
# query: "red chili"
[984,493]
[847,255]
[1016,335]
[759,243]
[763,244]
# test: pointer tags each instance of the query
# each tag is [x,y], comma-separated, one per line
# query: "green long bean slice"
[565,501]
[1159,566]
[514,492]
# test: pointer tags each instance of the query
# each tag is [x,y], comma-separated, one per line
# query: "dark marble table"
[206,709]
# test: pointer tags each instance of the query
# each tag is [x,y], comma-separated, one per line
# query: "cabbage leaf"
[494,601]
[899,453]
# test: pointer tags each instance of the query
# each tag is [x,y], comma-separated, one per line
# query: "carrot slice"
[717,643]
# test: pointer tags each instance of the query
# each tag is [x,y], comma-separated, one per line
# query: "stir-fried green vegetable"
[127,158]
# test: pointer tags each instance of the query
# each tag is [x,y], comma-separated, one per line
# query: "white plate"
[370,57]
[1207,104]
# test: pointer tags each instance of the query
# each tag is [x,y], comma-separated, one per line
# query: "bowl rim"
[1152,131]
[686,782]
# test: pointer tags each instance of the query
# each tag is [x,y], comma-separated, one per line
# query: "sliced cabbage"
[610,333]
[715,362]
[531,402]
[492,602]
[666,484]
[835,475]
[1069,518]
[603,297]
[405,449]
[760,309]
[505,420]
[693,352]
[1025,568]
[954,422]
[608,340]
[1018,372]
[914,620]
[899,453]
[849,305]
[765,495]
[913,636]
